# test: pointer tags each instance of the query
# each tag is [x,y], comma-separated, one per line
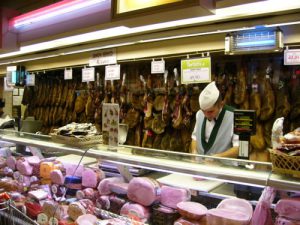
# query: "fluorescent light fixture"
[256,43]
[51,11]
[240,11]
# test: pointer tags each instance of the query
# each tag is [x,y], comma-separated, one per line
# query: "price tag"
[157,67]
[68,74]
[112,72]
[292,57]
[196,70]
[30,80]
[88,74]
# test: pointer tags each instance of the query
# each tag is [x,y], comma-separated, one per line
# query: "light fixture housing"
[254,41]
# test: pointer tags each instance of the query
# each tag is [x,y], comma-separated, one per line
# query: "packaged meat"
[144,190]
[73,169]
[91,177]
[104,187]
[11,162]
[2,162]
[46,168]
[289,208]
[135,211]
[33,209]
[87,193]
[191,210]
[24,167]
[226,217]
[39,194]
[184,221]
[171,196]
[103,202]
[280,220]
[75,210]
[87,219]
[33,160]
[53,209]
[57,177]
[237,205]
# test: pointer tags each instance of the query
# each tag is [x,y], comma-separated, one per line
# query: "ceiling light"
[51,11]
[282,24]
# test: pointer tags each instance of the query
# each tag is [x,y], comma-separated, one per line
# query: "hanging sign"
[196,70]
[157,66]
[30,80]
[105,57]
[68,74]
[11,74]
[112,72]
[292,57]
[88,74]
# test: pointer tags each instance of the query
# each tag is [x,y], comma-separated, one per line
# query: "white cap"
[209,96]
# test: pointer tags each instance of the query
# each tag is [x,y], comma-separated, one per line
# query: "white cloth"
[209,96]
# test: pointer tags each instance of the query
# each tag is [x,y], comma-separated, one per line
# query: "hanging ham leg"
[268,98]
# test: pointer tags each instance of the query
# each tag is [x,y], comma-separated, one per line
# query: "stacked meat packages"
[290,143]
[288,211]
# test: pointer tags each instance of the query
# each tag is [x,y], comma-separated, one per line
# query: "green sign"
[196,70]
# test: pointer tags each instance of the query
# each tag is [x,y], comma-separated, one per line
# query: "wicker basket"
[84,142]
[285,164]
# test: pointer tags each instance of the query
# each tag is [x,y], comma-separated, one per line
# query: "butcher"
[213,132]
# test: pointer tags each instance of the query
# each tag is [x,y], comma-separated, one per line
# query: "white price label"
[157,66]
[112,72]
[292,57]
[68,75]
[88,74]
[30,80]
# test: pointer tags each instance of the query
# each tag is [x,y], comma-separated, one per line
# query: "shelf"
[213,168]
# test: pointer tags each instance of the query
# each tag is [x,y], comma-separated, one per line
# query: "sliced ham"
[226,217]
[171,196]
[91,177]
[192,210]
[289,208]
[237,205]
[104,187]
[57,177]
[24,167]
[87,219]
[135,211]
[143,190]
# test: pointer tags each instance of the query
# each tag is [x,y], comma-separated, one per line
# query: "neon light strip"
[256,43]
[51,11]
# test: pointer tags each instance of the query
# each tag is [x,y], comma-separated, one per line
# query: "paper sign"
[68,74]
[196,70]
[112,72]
[292,57]
[30,80]
[157,67]
[105,57]
[17,100]
[88,74]
[7,86]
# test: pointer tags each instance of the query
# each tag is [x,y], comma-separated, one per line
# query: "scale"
[245,127]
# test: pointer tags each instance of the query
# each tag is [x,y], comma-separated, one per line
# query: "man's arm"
[230,153]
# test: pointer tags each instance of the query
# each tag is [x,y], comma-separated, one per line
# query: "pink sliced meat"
[144,191]
[87,219]
[289,207]
[72,170]
[171,196]
[135,211]
[57,177]
[104,188]
[75,210]
[24,167]
[91,177]
[119,188]
[184,221]
[226,217]
[33,160]
[237,205]
[280,220]
[11,162]
[191,210]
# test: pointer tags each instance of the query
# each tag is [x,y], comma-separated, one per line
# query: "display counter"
[212,168]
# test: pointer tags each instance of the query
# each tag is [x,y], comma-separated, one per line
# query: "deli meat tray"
[184,181]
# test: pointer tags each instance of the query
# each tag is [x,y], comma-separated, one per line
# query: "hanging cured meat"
[295,94]
[268,98]
[255,100]
[257,141]
[283,106]
[240,88]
